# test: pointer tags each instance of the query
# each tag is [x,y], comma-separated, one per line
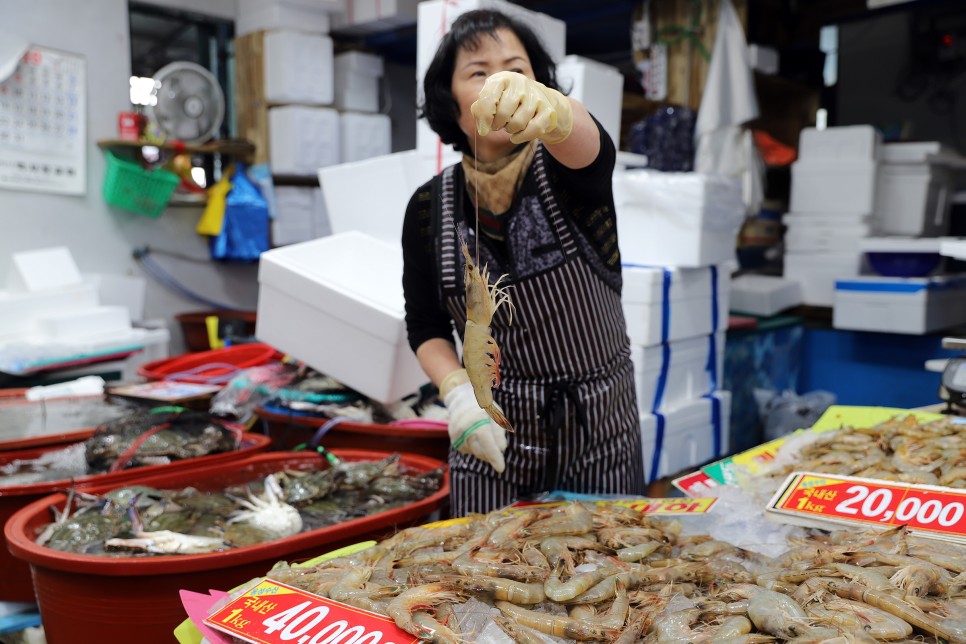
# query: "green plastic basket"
[129,186]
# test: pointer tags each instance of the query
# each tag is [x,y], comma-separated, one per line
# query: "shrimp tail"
[494,412]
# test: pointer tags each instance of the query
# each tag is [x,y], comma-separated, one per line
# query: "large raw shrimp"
[481,355]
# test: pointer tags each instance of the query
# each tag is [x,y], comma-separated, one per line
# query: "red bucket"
[26,423]
[15,580]
[90,599]
[209,367]
[288,430]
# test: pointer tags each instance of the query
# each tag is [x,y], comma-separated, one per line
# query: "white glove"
[523,107]
[471,431]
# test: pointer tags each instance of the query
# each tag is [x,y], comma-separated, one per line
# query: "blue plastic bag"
[244,235]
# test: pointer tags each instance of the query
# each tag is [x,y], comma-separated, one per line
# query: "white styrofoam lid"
[921,152]
[951,247]
[826,219]
[901,244]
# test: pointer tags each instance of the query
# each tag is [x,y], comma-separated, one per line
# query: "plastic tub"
[91,599]
[15,580]
[289,429]
[209,367]
[35,423]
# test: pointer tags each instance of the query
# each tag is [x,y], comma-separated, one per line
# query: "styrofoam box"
[434,20]
[914,199]
[364,16]
[364,136]
[830,186]
[764,295]
[687,365]
[913,305]
[357,78]
[689,304]
[298,67]
[19,312]
[123,290]
[352,204]
[805,239]
[677,218]
[598,86]
[818,272]
[688,435]
[302,139]
[837,144]
[359,62]
[321,226]
[294,215]
[254,16]
[42,269]
[84,323]
[337,304]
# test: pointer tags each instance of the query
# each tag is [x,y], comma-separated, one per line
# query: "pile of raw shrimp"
[604,572]
[900,449]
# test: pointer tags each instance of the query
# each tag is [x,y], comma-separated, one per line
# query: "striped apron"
[567,379]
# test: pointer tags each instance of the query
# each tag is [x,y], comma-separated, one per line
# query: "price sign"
[925,509]
[275,613]
[695,484]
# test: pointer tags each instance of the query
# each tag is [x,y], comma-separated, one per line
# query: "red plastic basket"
[289,430]
[89,599]
[214,367]
[15,580]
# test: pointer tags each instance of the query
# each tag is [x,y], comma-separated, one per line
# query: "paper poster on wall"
[43,123]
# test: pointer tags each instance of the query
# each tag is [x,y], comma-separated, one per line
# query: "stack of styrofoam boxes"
[51,313]
[677,234]
[367,16]
[364,133]
[917,181]
[832,207]
[434,21]
[303,127]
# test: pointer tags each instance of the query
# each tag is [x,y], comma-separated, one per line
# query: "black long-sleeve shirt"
[585,197]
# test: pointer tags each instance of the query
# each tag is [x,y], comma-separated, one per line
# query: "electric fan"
[190,105]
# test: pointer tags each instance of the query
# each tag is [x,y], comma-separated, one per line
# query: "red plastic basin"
[215,366]
[287,431]
[15,580]
[90,599]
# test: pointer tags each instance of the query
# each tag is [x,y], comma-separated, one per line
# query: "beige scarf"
[493,184]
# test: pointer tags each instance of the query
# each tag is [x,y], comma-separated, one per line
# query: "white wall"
[101,238]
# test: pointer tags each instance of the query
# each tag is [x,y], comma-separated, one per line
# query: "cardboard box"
[913,305]
[682,219]
[337,304]
[679,371]
[692,434]
[694,303]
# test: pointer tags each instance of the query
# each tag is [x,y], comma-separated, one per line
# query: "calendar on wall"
[43,123]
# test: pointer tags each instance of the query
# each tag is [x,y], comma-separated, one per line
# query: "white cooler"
[337,305]
[672,373]
[913,305]
[668,304]
[692,434]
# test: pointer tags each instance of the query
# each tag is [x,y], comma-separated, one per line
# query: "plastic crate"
[129,186]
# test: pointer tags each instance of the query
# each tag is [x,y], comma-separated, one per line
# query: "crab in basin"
[268,513]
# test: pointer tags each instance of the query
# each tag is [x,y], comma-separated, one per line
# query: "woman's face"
[496,52]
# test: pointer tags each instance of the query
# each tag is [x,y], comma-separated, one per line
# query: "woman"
[533,197]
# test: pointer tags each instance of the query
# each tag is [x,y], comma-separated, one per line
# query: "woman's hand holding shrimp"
[526,109]
[471,431]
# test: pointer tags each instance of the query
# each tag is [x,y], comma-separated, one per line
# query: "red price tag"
[695,484]
[922,508]
[275,613]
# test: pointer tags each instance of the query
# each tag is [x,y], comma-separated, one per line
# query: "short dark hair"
[439,106]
